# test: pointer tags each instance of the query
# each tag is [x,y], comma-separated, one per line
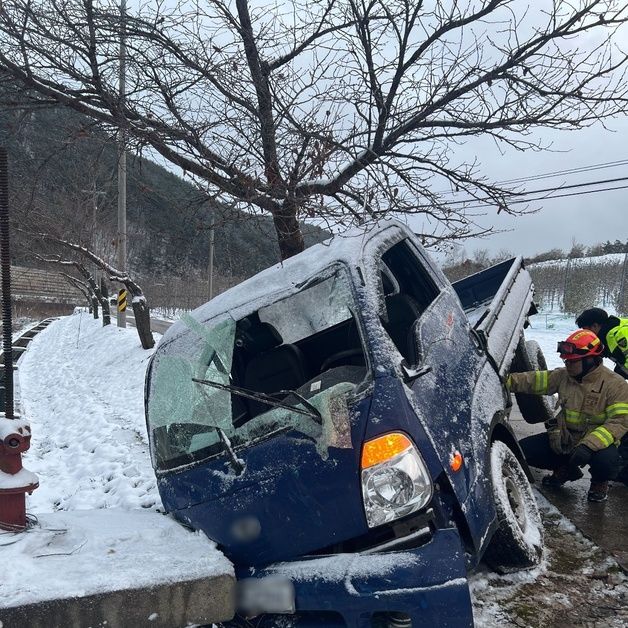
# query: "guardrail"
[19,346]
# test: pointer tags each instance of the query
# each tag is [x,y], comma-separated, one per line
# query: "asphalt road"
[605,524]
[156,324]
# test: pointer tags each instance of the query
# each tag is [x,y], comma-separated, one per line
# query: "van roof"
[287,276]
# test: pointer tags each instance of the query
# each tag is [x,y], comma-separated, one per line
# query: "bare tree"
[96,296]
[141,311]
[329,109]
[84,289]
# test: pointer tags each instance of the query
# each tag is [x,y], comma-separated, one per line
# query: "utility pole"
[210,268]
[122,157]
[94,194]
[566,284]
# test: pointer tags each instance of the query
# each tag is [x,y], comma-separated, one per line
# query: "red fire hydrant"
[15,480]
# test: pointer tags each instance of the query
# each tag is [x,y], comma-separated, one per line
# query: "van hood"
[293,497]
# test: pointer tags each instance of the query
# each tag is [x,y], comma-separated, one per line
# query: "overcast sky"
[587,218]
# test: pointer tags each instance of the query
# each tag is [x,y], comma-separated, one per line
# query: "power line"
[581,193]
[549,175]
[541,191]
[551,198]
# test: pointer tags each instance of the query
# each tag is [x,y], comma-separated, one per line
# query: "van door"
[432,334]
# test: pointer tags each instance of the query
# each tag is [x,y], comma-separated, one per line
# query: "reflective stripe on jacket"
[592,413]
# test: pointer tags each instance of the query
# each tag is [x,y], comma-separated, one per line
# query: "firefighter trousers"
[604,464]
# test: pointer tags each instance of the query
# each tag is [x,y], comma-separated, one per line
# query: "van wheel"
[518,541]
[529,357]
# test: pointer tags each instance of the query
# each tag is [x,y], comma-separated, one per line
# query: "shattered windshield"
[288,365]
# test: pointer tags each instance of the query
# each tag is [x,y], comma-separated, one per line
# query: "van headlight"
[395,481]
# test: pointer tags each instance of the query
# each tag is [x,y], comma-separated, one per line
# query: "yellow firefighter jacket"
[592,413]
[616,341]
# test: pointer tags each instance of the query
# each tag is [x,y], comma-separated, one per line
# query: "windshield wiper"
[219,363]
[311,411]
[236,464]
[300,397]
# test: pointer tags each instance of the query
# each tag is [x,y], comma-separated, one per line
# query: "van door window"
[406,298]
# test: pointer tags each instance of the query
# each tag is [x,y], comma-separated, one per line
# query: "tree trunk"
[141,311]
[104,304]
[94,305]
[93,286]
[106,314]
[288,230]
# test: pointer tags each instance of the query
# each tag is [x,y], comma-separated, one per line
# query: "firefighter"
[612,331]
[592,416]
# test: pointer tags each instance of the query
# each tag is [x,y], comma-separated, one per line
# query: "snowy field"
[81,387]
[547,330]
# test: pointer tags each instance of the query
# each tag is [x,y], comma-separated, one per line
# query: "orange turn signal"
[384,448]
[456,461]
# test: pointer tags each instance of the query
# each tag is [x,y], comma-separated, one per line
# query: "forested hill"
[63,177]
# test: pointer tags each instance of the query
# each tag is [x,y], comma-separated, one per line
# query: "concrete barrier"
[112,568]
[201,601]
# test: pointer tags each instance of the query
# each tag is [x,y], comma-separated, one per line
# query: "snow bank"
[96,528]
[81,389]
[74,554]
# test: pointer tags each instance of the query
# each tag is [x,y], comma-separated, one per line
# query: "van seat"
[279,368]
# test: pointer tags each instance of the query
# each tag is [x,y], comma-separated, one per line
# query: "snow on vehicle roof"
[288,276]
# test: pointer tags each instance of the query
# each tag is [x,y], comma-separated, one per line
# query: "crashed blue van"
[338,425]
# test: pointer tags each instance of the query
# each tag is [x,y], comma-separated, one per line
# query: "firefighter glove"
[580,456]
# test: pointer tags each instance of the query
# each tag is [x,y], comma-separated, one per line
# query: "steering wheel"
[341,356]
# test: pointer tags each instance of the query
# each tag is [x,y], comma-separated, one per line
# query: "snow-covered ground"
[547,330]
[81,387]
[609,258]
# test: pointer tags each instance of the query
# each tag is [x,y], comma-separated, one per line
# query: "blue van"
[338,425]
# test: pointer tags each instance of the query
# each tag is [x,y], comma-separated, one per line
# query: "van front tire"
[518,541]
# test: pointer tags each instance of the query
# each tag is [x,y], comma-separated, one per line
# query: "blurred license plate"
[265,595]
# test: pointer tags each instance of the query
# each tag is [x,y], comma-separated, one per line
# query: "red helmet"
[580,344]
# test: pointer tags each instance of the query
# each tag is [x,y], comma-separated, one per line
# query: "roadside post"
[122,300]
[15,433]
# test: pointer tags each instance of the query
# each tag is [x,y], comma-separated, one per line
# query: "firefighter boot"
[560,476]
[598,491]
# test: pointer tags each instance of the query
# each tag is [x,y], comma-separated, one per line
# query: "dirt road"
[581,582]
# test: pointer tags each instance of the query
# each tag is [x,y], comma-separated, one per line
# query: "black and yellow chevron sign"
[122,294]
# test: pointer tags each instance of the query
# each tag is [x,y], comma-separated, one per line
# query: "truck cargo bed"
[497,302]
